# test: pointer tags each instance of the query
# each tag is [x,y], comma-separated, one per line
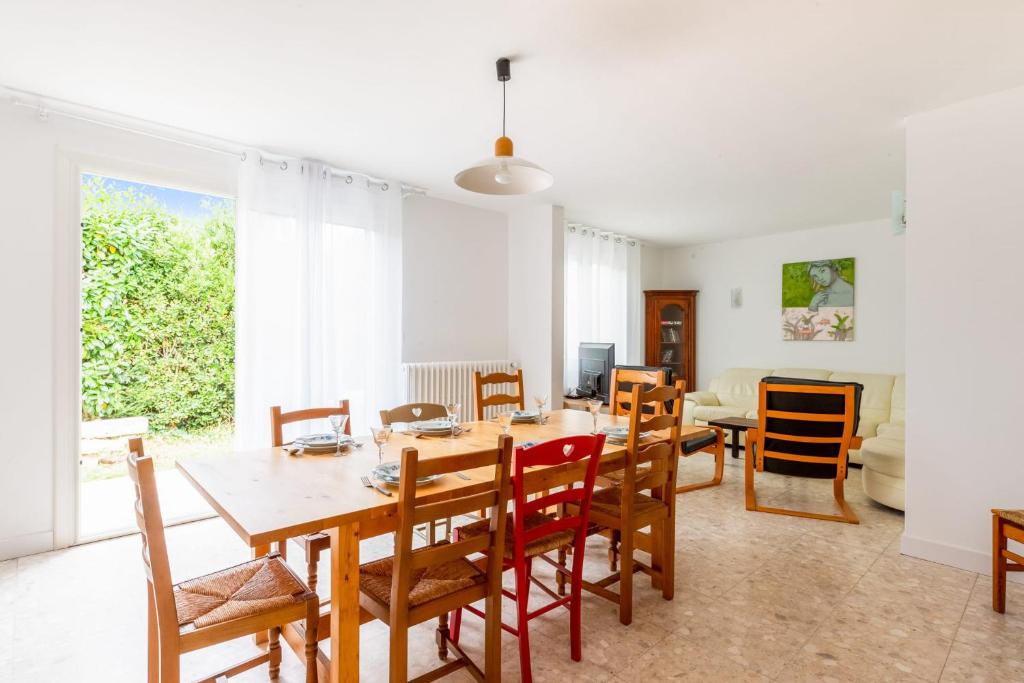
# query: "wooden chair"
[414,586]
[313,544]
[427,411]
[481,381]
[246,599]
[618,398]
[535,533]
[805,428]
[624,511]
[1006,524]
[714,444]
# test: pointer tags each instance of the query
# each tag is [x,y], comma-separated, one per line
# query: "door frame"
[67,349]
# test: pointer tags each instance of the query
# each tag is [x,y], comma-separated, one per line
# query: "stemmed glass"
[338,423]
[505,422]
[380,437]
[453,415]
[594,406]
[541,400]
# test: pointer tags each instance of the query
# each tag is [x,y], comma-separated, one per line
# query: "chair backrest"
[412,513]
[805,427]
[154,545]
[557,452]
[427,411]
[480,381]
[279,419]
[663,455]
[619,397]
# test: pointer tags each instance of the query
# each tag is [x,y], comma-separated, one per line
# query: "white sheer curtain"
[602,296]
[319,285]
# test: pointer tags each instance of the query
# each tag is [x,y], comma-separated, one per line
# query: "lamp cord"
[503,109]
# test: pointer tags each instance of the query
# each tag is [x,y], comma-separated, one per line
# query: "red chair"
[534,533]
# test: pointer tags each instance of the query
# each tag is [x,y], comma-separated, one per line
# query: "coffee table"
[735,425]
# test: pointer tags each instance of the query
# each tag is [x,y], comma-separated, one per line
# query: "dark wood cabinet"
[671,337]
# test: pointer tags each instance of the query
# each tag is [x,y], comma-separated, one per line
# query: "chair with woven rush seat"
[1006,525]
[625,511]
[496,399]
[313,544]
[410,412]
[534,533]
[414,586]
[806,428]
[253,597]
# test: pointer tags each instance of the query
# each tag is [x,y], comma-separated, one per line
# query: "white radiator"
[449,381]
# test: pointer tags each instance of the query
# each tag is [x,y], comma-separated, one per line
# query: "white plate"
[321,440]
[390,473]
[431,426]
[525,415]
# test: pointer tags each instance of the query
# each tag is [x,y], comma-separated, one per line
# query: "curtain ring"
[324,174]
[572,228]
[244,155]
[261,160]
[348,180]
[604,237]
[383,187]
[284,165]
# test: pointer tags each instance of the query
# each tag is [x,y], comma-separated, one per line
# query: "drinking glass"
[505,422]
[338,423]
[541,400]
[453,415]
[380,437]
[594,406]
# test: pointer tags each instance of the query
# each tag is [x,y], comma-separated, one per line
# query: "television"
[596,362]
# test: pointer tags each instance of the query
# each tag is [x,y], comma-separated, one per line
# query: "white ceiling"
[677,121]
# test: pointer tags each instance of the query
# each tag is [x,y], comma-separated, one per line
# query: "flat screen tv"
[596,361]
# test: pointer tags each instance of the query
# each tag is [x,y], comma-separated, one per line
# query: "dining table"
[269,495]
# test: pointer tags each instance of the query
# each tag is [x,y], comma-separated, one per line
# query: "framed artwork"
[817,300]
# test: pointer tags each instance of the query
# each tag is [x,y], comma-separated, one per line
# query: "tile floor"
[759,597]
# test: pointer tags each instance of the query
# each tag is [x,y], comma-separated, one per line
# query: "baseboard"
[28,544]
[952,555]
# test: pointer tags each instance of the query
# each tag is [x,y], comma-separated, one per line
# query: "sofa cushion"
[886,490]
[802,373]
[890,430]
[883,455]
[738,387]
[706,413]
[875,400]
[898,412]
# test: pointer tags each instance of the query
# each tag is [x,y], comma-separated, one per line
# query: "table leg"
[736,442]
[345,604]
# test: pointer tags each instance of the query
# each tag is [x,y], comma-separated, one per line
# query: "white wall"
[455,282]
[32,153]
[536,242]
[751,336]
[965,211]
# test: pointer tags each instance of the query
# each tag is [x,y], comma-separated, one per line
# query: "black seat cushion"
[806,403]
[698,443]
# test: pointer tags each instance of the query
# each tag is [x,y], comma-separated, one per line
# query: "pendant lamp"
[504,173]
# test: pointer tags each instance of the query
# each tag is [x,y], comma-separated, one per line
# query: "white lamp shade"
[517,176]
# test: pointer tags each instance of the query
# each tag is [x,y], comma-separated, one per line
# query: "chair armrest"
[702,398]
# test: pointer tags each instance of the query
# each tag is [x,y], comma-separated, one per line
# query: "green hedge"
[158,295]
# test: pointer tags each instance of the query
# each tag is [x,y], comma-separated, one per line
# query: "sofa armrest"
[702,398]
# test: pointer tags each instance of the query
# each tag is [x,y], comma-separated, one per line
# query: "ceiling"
[676,121]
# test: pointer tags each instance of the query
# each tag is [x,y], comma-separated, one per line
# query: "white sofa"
[735,393]
[884,454]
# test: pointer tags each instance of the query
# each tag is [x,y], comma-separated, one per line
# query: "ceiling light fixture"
[504,173]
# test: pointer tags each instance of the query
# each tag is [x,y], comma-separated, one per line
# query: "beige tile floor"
[759,597]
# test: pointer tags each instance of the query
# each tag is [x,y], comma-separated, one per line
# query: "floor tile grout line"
[959,623]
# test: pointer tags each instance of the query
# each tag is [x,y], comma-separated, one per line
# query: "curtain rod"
[175,135]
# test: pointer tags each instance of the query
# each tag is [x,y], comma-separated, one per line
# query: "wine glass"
[380,437]
[453,415]
[505,422]
[594,406]
[338,423]
[541,400]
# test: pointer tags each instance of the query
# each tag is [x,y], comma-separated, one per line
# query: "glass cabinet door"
[672,331]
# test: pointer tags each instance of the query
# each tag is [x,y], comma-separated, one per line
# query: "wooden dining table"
[268,496]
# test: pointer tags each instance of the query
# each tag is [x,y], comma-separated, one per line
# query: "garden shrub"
[158,294]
